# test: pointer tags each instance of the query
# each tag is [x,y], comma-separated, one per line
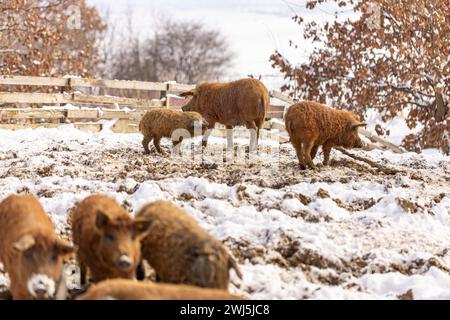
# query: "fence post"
[164,95]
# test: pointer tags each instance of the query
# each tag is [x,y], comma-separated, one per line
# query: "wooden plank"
[280,96]
[84,98]
[178,87]
[118,84]
[68,113]
[31,114]
[384,142]
[274,114]
[119,114]
[81,82]
[22,126]
[33,81]
[58,98]
[273,108]
[82,113]
[34,97]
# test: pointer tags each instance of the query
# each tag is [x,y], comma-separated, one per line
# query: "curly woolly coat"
[121,289]
[243,102]
[311,124]
[160,122]
[29,246]
[181,251]
[95,250]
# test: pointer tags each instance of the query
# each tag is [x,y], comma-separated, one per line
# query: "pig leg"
[326,154]
[308,146]
[229,137]
[253,133]
[314,151]
[177,145]
[83,274]
[156,141]
[298,150]
[207,134]
[259,124]
[145,143]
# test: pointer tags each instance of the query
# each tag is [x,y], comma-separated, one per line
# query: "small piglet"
[30,250]
[160,122]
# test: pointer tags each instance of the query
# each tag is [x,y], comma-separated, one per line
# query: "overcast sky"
[253,28]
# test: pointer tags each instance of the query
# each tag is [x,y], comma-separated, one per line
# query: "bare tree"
[186,52]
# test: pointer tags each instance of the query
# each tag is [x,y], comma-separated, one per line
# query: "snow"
[431,285]
[397,126]
[344,232]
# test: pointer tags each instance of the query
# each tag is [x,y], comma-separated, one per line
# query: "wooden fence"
[125,111]
[91,109]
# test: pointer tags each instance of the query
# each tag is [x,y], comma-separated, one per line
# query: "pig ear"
[140,226]
[355,124]
[188,93]
[23,244]
[101,219]
[358,124]
[64,247]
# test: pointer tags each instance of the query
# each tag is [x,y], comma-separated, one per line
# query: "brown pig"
[243,102]
[30,250]
[311,124]
[107,237]
[160,122]
[121,289]
[181,251]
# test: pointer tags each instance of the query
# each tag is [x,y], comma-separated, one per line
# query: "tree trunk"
[441,109]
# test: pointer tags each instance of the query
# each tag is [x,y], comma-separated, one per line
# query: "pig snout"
[41,286]
[124,262]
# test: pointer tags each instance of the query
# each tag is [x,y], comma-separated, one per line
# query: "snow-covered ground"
[343,231]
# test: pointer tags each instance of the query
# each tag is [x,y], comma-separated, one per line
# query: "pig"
[121,289]
[243,102]
[31,252]
[107,237]
[311,124]
[161,122]
[181,251]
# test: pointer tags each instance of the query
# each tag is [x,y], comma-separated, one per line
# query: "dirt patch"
[408,205]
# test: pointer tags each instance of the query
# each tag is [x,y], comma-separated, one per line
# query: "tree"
[186,52]
[394,56]
[49,38]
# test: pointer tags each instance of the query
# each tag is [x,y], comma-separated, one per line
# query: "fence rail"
[89,118]
[86,117]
